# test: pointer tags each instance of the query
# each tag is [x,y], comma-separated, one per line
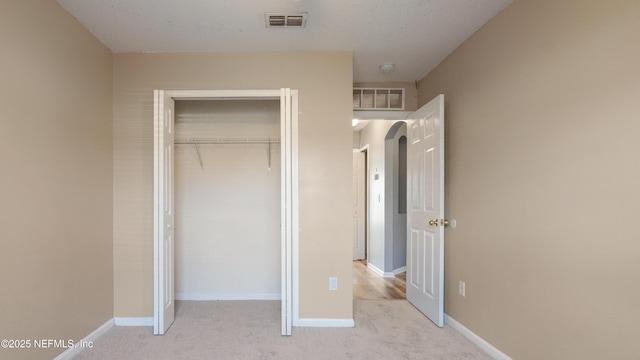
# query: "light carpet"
[251,330]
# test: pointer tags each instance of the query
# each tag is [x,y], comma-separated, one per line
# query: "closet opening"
[225,199]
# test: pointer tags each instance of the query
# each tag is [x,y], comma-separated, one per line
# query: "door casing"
[359,179]
[289,194]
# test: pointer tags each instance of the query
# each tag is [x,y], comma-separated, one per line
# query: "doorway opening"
[359,194]
[208,198]
[395,237]
[227,176]
[419,141]
[389,282]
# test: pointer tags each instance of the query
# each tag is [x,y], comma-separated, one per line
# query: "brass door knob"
[433,222]
[444,222]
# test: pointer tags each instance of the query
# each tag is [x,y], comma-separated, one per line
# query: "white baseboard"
[133,321]
[87,340]
[326,323]
[480,342]
[215,297]
[383,274]
[375,269]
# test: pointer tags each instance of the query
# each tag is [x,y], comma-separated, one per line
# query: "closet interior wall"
[227,201]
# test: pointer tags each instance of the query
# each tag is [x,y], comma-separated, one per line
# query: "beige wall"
[56,181]
[542,175]
[356,139]
[324,81]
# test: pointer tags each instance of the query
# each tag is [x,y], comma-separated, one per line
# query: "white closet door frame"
[289,195]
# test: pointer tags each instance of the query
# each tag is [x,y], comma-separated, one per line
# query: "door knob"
[444,222]
[433,222]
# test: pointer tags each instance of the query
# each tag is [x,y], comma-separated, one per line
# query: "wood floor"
[368,285]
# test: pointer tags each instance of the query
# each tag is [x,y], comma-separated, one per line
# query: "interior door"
[425,216]
[358,205]
[164,304]
[288,146]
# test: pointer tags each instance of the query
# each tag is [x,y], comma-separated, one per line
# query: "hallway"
[368,285]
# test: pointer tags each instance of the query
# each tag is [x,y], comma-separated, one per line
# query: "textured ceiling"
[415,35]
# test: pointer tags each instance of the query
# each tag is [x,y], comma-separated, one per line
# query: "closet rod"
[225,141]
[228,141]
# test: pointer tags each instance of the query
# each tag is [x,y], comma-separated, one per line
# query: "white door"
[288,193]
[164,305]
[425,216]
[358,205]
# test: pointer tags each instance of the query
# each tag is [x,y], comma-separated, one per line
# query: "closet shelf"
[226,140]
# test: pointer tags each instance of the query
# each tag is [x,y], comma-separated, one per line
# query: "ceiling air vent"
[285,20]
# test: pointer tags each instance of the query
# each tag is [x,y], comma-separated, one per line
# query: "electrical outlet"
[333,283]
[462,288]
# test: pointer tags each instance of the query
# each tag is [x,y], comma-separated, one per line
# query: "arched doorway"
[395,237]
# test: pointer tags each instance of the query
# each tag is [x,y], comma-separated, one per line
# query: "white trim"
[156,213]
[480,342]
[367,209]
[134,321]
[286,218]
[224,94]
[375,269]
[89,339]
[342,323]
[223,296]
[291,268]
[399,270]
[381,115]
[296,208]
[381,273]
